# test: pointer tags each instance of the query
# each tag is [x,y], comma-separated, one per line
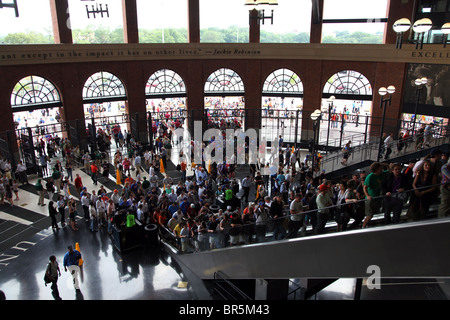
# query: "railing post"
[296,128]
[367,127]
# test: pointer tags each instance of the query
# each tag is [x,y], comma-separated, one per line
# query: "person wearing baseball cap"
[323,201]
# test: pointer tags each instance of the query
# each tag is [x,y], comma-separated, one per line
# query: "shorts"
[374,206]
[237,238]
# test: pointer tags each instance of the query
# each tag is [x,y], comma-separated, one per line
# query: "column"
[255,28]
[316,22]
[61,21]
[193,21]
[130,21]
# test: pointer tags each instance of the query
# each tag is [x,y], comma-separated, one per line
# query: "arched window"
[348,84]
[224,82]
[165,83]
[281,83]
[34,92]
[103,86]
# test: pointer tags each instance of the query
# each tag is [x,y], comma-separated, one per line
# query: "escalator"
[364,155]
[415,249]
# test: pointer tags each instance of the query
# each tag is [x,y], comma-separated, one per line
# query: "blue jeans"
[94,224]
[110,225]
[278,231]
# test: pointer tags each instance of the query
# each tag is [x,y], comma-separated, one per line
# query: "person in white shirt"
[94,197]
[87,161]
[140,213]
[188,183]
[154,181]
[201,189]
[101,211]
[151,170]
[137,162]
[246,183]
[85,200]
[173,196]
[93,216]
[22,172]
[147,159]
[388,144]
[144,206]
[115,197]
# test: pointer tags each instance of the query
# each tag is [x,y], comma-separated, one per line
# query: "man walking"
[71,262]
[94,171]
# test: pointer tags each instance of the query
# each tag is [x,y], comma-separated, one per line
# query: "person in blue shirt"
[173,208]
[184,206]
[71,262]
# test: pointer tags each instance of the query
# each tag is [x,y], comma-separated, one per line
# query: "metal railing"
[370,151]
[220,236]
[226,289]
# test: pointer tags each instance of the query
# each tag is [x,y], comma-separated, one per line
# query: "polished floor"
[144,273]
[27,241]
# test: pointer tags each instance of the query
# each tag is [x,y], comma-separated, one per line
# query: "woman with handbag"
[51,276]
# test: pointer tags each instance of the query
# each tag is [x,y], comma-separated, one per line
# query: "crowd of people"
[215,207]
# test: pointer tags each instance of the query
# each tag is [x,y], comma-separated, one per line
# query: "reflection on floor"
[390,289]
[144,273]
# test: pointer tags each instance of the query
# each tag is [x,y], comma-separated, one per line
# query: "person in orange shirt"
[162,218]
[94,171]
[183,166]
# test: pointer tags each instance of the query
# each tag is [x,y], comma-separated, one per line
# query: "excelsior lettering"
[430,54]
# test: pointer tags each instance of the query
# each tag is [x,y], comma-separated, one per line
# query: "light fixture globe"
[424,80]
[316,114]
[382,91]
[445,28]
[418,82]
[401,25]
[422,25]
[251,3]
[391,89]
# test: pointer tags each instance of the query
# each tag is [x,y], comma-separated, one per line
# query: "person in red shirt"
[78,183]
[94,171]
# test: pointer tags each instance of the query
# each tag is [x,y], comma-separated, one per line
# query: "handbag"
[47,278]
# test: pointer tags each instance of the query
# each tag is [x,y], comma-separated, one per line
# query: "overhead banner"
[431,98]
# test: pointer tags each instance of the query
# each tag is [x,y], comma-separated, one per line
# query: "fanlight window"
[283,82]
[165,82]
[348,82]
[34,91]
[224,82]
[103,86]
